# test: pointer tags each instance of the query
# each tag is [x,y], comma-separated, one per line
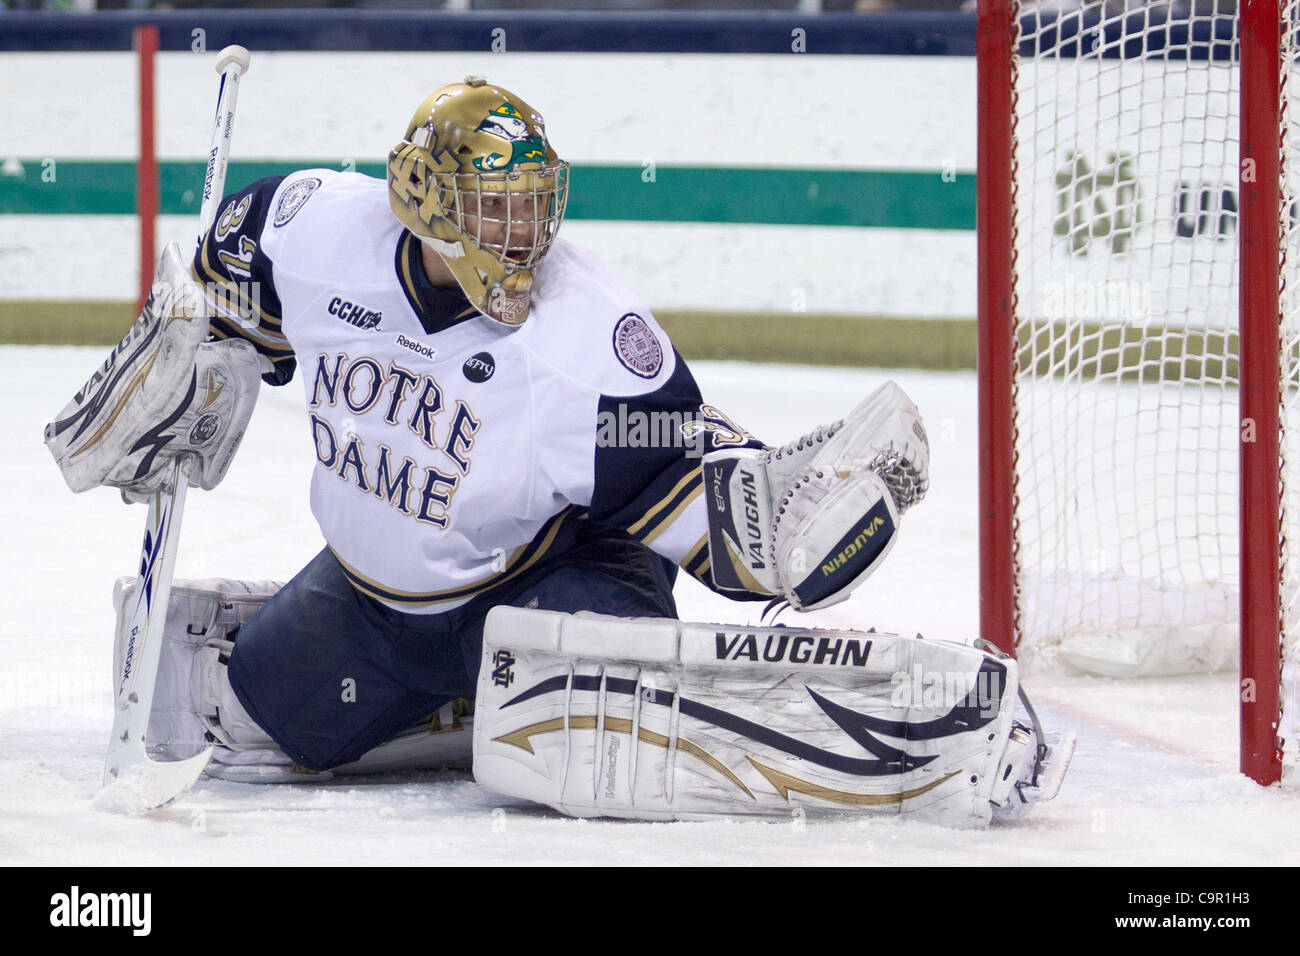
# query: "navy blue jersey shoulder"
[239,279]
[648,455]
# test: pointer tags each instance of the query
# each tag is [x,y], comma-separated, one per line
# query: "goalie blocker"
[162,393]
[695,721]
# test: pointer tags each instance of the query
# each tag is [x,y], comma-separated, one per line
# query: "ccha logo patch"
[354,313]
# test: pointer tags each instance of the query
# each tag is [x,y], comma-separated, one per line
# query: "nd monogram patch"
[502,662]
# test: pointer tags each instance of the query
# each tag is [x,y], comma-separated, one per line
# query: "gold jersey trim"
[654,522]
[521,560]
[204,272]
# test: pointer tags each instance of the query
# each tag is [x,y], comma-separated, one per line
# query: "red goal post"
[1133,460]
[145,43]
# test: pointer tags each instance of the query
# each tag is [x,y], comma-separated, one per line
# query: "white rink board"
[672,266]
[821,112]
[698,109]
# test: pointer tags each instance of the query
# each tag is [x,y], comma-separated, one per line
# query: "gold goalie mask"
[476,180]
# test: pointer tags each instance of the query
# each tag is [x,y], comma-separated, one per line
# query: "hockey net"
[1123,547]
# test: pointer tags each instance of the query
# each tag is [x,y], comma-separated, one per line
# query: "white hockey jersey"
[450,451]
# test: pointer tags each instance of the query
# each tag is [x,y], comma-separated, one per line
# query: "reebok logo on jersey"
[354,313]
[425,350]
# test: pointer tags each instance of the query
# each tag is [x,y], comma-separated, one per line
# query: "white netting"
[1126,300]
[1126,285]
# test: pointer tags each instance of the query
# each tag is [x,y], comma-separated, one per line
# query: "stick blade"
[143,785]
[1058,761]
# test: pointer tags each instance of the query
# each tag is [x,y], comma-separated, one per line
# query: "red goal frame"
[1261,249]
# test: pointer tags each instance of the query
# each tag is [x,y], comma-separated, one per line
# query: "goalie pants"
[330,673]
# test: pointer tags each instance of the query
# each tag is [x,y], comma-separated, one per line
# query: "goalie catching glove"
[163,393]
[811,520]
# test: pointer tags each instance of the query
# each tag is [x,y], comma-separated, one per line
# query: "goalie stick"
[132,780]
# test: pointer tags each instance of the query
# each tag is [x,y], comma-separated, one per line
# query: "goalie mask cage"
[1139,315]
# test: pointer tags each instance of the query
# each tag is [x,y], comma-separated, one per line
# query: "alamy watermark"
[944,689]
[65,689]
[242,299]
[631,427]
[1111,299]
[77,908]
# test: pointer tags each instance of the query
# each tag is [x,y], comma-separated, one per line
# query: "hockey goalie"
[513,464]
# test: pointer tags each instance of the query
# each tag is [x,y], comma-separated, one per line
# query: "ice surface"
[1154,780]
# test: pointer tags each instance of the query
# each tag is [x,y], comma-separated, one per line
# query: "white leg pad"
[657,719]
[194,706]
[191,683]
